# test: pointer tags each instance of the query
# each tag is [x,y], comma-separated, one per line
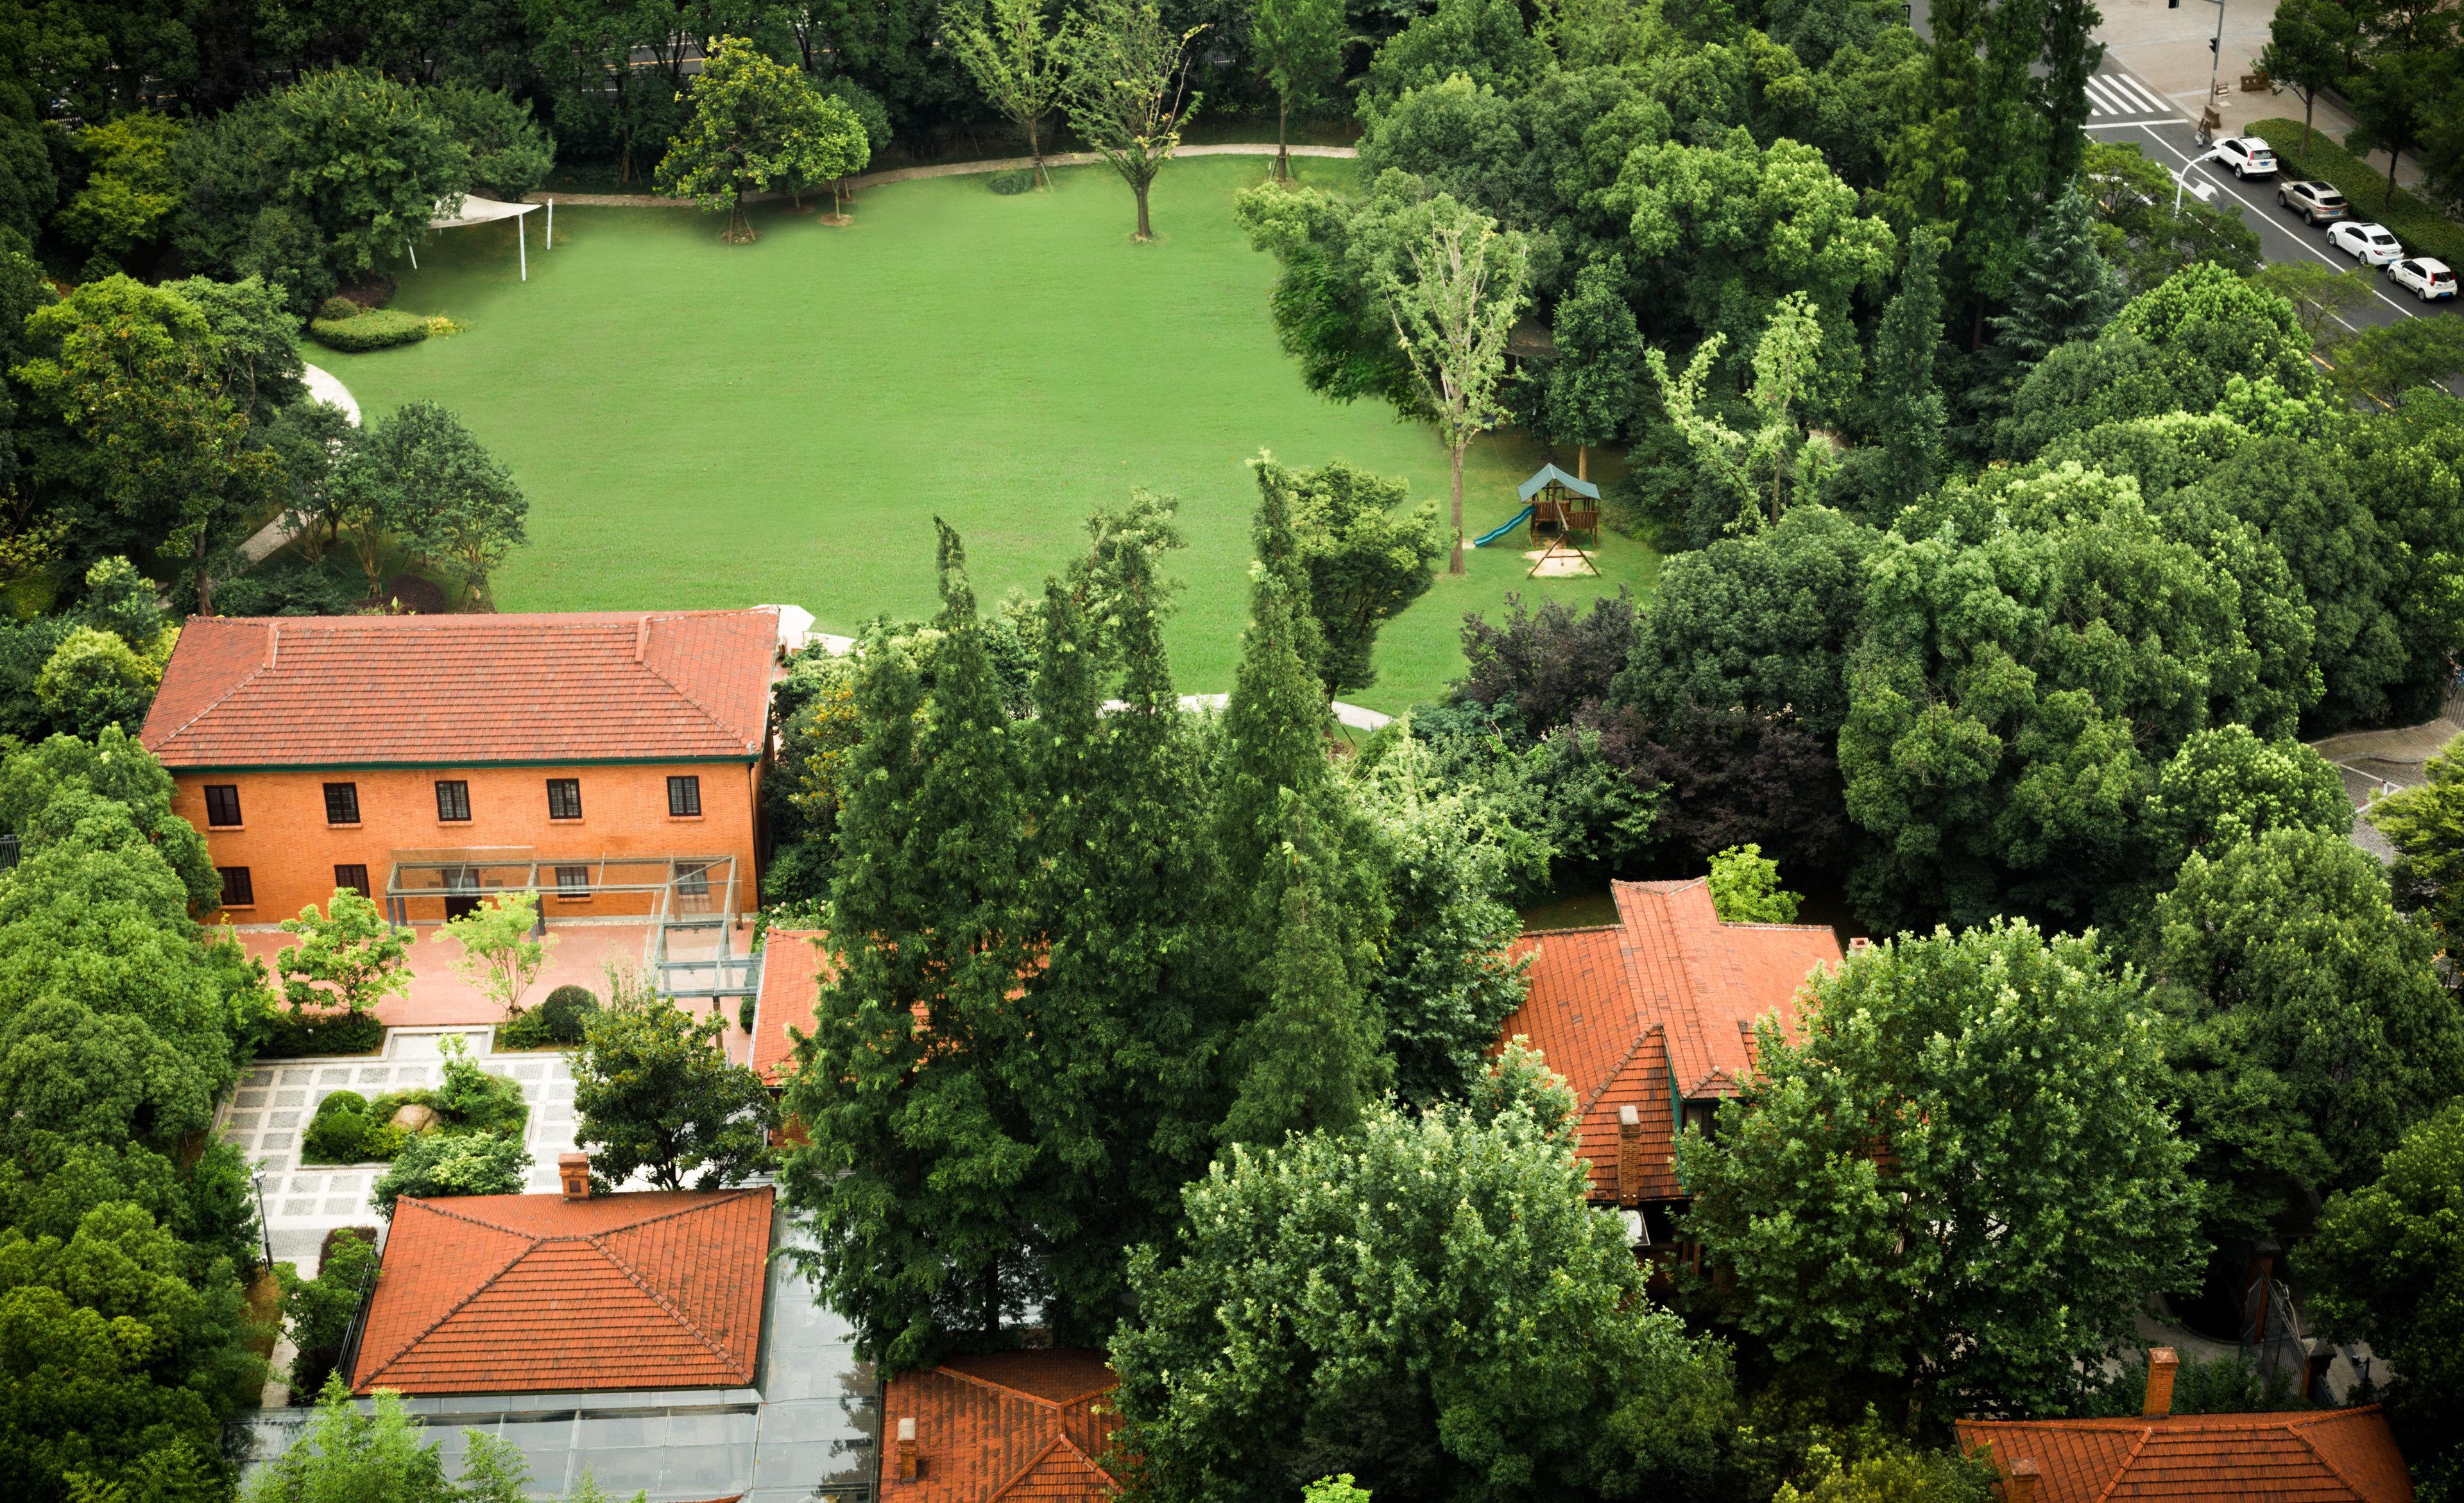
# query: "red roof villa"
[1651,1023]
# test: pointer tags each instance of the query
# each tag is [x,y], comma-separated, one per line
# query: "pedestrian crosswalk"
[2112,95]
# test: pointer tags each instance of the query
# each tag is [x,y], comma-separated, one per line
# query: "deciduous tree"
[501,954]
[1016,60]
[347,955]
[1299,45]
[1126,83]
[655,1093]
[2310,47]
[1362,557]
[754,123]
[2427,826]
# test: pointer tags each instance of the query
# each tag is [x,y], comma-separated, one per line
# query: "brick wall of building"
[290,849]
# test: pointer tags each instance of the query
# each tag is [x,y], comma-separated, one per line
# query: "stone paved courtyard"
[270,1110]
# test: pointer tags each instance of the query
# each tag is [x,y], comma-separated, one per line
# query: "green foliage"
[756,124]
[418,478]
[349,954]
[1364,557]
[2148,229]
[2306,1024]
[1745,888]
[372,1456]
[1889,1473]
[333,310]
[1011,181]
[363,330]
[1015,57]
[285,1035]
[2227,785]
[475,1100]
[500,954]
[1334,1490]
[93,680]
[510,152]
[435,1164]
[653,1092]
[1125,82]
[1481,40]
[560,1019]
[1423,1299]
[318,1311]
[2384,361]
[1961,1182]
[1775,450]
[2385,1265]
[142,1339]
[2426,825]
[2226,1384]
[1298,45]
[130,190]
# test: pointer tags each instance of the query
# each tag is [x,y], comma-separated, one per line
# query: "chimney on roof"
[908,1462]
[1859,945]
[573,1171]
[1629,1183]
[2022,1486]
[2160,1363]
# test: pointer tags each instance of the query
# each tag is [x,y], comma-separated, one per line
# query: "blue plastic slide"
[1511,523]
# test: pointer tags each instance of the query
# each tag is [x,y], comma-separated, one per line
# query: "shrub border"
[2423,228]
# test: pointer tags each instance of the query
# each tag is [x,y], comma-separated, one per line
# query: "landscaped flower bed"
[349,1128]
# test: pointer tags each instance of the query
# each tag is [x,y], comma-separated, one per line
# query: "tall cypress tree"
[919,1149]
[2066,290]
[1904,405]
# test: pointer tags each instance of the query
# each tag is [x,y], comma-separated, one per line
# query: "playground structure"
[1556,505]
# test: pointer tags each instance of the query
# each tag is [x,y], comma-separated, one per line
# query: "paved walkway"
[1061,159]
[2375,764]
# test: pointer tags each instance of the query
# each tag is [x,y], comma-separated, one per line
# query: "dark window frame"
[342,804]
[573,882]
[684,795]
[239,887]
[452,801]
[222,798]
[564,788]
[343,872]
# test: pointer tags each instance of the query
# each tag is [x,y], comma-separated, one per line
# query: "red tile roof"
[1658,1010]
[536,1293]
[1006,1425]
[437,691]
[793,968]
[2311,1456]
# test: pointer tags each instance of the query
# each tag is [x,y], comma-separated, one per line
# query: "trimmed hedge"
[292,1036]
[378,328]
[1011,180]
[333,310]
[556,1023]
[2423,230]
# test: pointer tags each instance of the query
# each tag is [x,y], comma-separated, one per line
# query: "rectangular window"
[573,882]
[238,891]
[565,798]
[693,881]
[355,877]
[342,804]
[453,802]
[684,797]
[222,804]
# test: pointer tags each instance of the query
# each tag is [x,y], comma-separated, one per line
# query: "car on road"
[2317,202]
[2371,245]
[2428,278]
[2248,156]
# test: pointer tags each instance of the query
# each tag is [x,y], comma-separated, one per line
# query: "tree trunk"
[1035,150]
[1582,454]
[1455,565]
[1146,231]
[2309,107]
[2388,202]
[1283,143]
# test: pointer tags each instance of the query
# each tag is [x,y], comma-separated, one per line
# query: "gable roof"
[2307,1456]
[1002,1424]
[1658,1010]
[1546,473]
[793,968]
[432,690]
[537,1294]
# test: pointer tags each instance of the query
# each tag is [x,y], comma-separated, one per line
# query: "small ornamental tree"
[1365,558]
[347,955]
[2310,47]
[432,1164]
[1746,890]
[1299,46]
[655,1092]
[1786,362]
[1453,283]
[754,123]
[500,955]
[1127,86]
[1962,1182]
[1016,60]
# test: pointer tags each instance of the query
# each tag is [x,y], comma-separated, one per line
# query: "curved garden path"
[321,387]
[1063,159]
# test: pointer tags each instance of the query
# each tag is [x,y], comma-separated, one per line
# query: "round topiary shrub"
[343,1101]
[1011,180]
[336,1138]
[336,309]
[378,329]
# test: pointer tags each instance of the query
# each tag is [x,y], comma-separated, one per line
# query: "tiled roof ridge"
[2265,1419]
[2105,1493]
[1054,1404]
[1619,1069]
[234,687]
[530,1245]
[1037,1460]
[633,1275]
[685,695]
[2300,1432]
[718,1197]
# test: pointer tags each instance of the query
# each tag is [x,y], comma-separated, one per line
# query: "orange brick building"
[1651,1023]
[611,761]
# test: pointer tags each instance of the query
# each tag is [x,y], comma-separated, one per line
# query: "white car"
[2428,278]
[2371,245]
[2248,156]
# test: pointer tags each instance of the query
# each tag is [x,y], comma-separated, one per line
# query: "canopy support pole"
[551,226]
[523,239]
[414,255]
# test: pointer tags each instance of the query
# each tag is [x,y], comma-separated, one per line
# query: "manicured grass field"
[705,425]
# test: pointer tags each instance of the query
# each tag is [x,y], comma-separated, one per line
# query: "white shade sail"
[472,209]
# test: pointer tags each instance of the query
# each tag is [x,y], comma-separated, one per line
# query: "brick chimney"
[2022,1486]
[908,1460]
[2160,1363]
[1859,945]
[1629,1183]
[573,1170]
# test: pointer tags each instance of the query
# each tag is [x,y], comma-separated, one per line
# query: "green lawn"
[705,425]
